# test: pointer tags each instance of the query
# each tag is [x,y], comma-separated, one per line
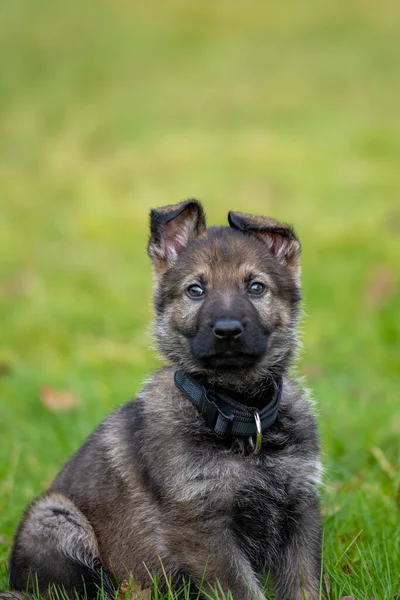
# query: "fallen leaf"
[57,400]
[380,286]
[17,284]
[347,598]
[347,569]
[5,369]
[132,590]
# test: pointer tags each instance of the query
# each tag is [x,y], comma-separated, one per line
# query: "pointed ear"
[171,229]
[280,238]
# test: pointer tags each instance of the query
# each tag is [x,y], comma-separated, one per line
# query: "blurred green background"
[288,109]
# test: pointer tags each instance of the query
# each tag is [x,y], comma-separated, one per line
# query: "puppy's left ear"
[280,238]
[171,230]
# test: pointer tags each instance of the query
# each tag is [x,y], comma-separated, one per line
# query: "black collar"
[227,417]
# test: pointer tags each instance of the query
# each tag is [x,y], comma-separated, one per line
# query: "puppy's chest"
[222,482]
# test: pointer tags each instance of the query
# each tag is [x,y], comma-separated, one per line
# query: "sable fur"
[153,483]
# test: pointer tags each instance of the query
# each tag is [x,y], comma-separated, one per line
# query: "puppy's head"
[226,298]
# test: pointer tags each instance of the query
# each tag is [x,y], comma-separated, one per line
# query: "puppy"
[212,471]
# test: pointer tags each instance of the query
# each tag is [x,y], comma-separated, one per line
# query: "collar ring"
[257,446]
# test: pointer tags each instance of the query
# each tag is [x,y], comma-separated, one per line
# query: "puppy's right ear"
[171,229]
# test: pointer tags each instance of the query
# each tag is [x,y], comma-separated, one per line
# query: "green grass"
[290,109]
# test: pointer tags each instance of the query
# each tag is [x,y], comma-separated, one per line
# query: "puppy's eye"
[195,291]
[256,288]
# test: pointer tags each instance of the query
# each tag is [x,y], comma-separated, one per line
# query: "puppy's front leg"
[215,561]
[297,574]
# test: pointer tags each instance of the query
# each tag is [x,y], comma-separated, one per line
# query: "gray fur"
[153,483]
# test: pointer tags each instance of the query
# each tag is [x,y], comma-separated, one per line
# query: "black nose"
[225,329]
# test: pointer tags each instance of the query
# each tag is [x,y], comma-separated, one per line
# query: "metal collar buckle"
[257,446]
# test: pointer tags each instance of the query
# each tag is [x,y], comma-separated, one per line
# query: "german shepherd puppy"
[212,471]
